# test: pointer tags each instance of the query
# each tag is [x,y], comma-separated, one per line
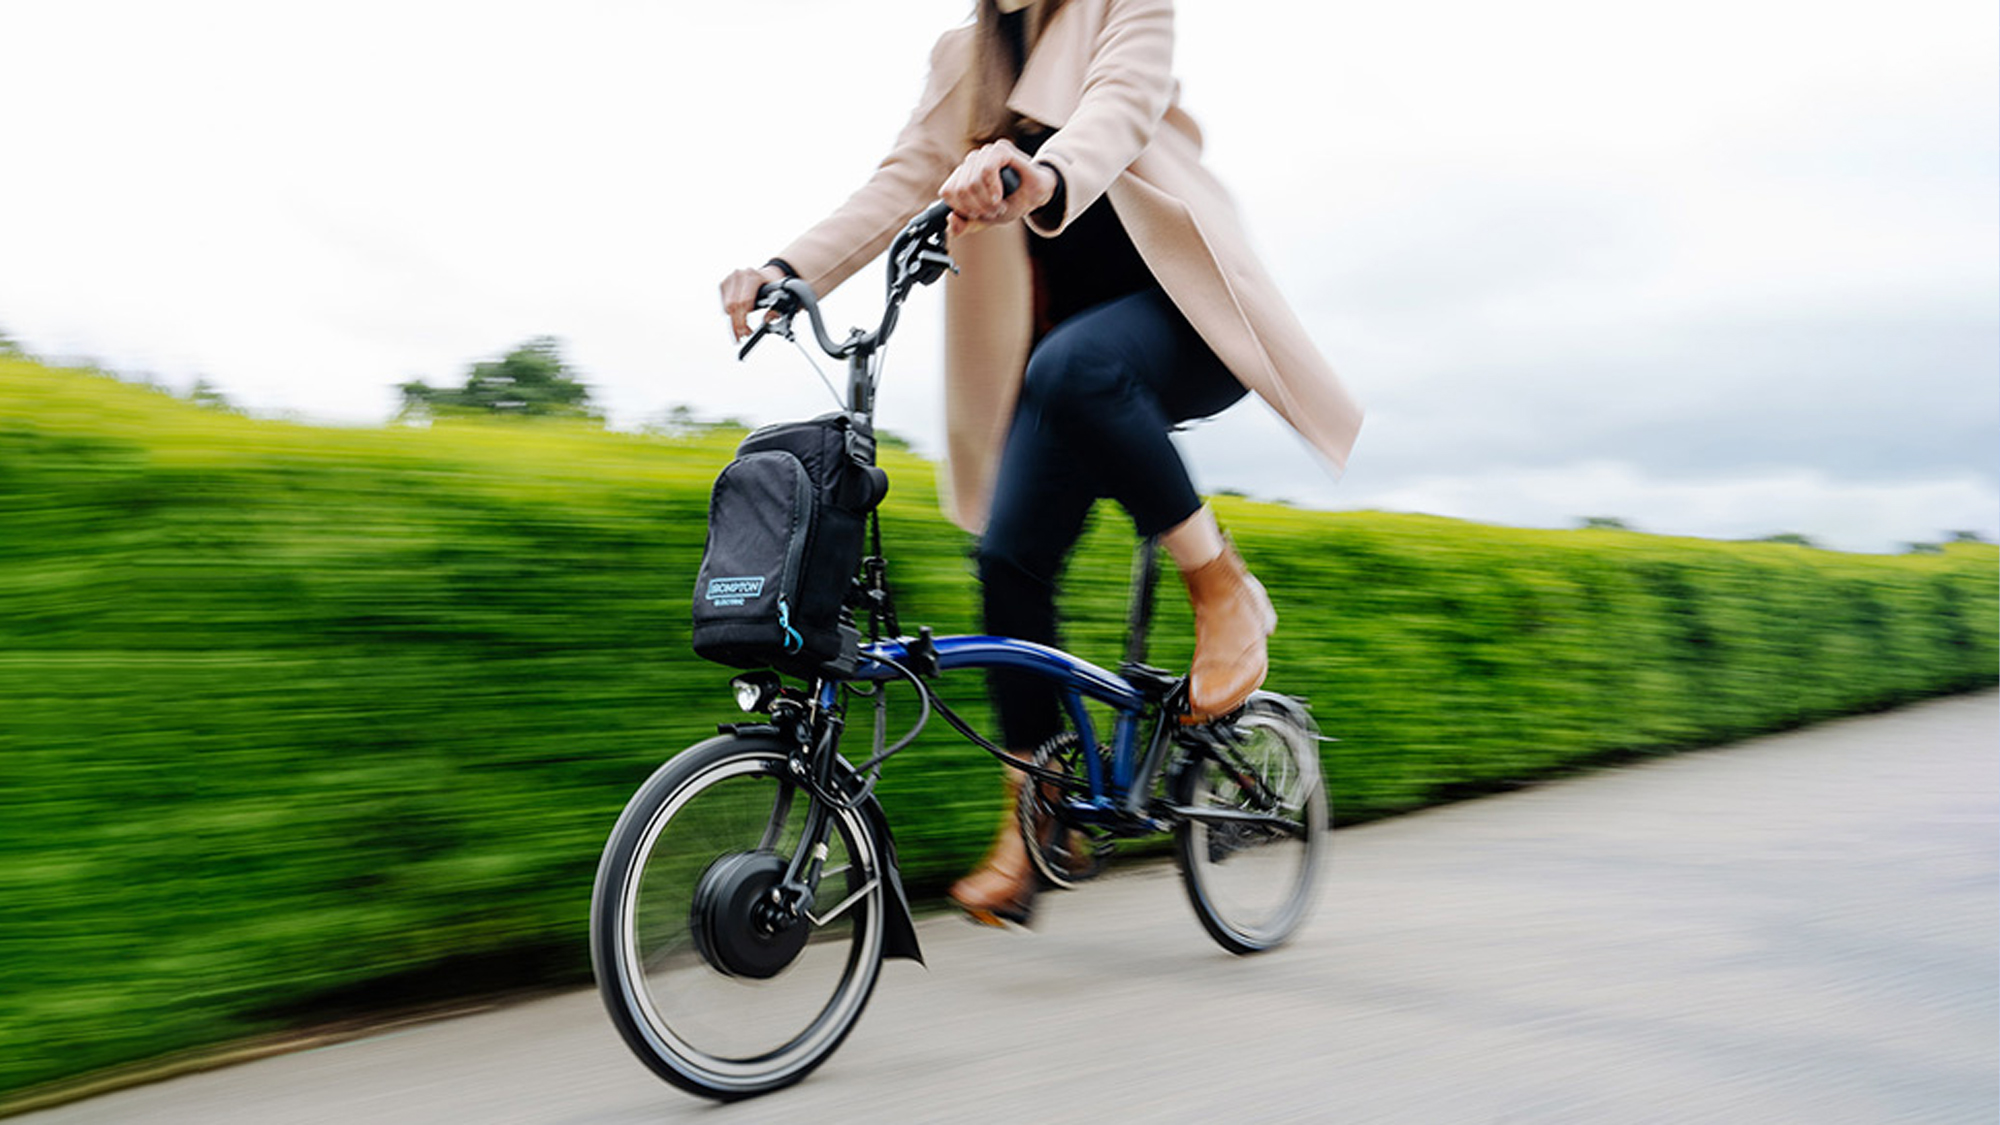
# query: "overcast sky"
[1715,268]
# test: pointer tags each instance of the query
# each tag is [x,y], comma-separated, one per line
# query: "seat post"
[1139,619]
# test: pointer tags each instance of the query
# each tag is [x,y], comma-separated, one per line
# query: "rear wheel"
[1255,828]
[712,985]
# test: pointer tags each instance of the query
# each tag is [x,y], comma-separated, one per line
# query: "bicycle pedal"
[1152,684]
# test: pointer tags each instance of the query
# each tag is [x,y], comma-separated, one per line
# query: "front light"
[755,691]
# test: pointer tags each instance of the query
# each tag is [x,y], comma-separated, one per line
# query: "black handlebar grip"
[932,216]
[1010,181]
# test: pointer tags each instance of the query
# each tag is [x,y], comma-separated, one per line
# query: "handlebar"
[786,298]
[917,256]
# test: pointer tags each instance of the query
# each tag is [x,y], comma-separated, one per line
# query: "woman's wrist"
[1050,212]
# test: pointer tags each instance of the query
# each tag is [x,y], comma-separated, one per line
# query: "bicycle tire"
[1252,887]
[707,1008]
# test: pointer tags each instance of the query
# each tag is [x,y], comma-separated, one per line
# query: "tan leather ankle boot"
[1232,616]
[1002,888]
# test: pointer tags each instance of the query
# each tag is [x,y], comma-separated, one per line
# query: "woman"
[1110,297]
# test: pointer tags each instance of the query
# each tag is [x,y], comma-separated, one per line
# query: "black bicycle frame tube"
[1156,756]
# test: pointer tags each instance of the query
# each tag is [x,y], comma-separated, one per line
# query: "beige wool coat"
[1101,77]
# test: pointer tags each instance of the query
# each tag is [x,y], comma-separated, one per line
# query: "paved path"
[1796,929]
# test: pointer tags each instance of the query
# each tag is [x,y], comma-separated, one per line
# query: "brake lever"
[780,326]
[927,265]
[779,306]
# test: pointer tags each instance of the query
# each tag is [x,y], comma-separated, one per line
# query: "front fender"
[899,928]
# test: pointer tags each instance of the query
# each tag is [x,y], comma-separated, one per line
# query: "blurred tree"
[207,394]
[530,380]
[1603,523]
[1791,537]
[1964,537]
[681,421]
[9,347]
[1922,549]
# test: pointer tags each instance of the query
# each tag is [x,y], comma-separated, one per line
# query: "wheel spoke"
[850,900]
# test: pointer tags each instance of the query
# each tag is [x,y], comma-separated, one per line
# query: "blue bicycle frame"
[1118,798]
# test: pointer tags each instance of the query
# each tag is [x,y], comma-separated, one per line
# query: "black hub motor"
[736,925]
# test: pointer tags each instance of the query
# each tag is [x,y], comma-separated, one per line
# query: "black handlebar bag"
[785,534]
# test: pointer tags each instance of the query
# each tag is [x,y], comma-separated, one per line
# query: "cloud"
[1738,252]
[1249,450]
[1858,398]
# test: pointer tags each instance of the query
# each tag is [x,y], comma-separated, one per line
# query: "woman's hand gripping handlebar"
[995,185]
[917,256]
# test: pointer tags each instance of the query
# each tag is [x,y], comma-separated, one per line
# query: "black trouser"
[1101,392]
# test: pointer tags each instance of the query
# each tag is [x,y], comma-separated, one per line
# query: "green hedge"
[288,710]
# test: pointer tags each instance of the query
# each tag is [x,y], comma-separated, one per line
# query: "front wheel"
[1253,828]
[715,991]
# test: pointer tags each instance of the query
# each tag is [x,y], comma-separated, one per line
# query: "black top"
[1093,259]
